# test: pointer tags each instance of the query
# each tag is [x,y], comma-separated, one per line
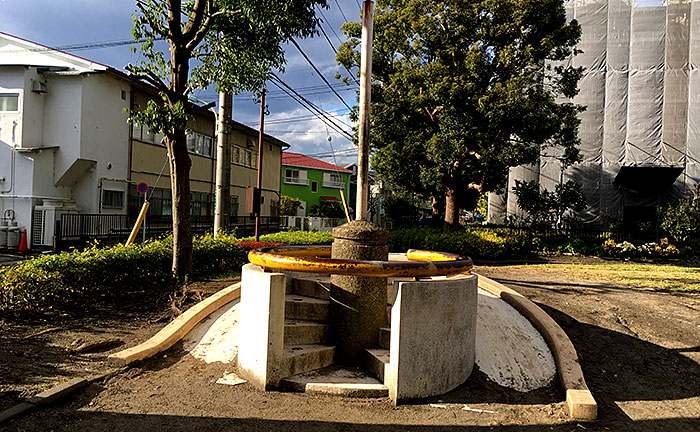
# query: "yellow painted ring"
[316,259]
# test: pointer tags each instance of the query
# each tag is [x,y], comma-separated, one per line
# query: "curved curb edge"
[579,399]
[177,328]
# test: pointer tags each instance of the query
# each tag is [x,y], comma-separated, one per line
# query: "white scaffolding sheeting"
[641,88]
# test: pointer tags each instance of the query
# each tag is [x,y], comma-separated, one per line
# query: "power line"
[341,11]
[80,46]
[301,117]
[336,52]
[309,106]
[329,26]
[319,72]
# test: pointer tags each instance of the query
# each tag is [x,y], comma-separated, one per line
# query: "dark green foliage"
[546,208]
[327,209]
[402,212]
[480,244]
[289,205]
[71,280]
[681,220]
[297,237]
[463,90]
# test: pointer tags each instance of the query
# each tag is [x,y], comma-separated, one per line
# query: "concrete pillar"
[358,304]
[261,341]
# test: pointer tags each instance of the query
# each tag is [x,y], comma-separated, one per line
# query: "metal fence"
[77,229]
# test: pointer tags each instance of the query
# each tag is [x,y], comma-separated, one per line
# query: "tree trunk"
[180,188]
[451,209]
[180,164]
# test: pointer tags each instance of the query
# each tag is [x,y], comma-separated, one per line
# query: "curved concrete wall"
[433,337]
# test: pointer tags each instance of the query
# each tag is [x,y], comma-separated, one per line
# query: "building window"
[200,144]
[331,180]
[294,176]
[314,186]
[274,208]
[244,156]
[9,102]
[112,199]
[145,134]
[201,204]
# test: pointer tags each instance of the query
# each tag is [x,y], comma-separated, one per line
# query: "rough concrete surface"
[509,349]
[215,339]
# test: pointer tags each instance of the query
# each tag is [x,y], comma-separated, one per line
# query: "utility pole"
[365,97]
[258,192]
[223,163]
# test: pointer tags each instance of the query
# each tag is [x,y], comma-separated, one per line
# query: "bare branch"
[196,17]
[148,76]
[174,22]
[202,32]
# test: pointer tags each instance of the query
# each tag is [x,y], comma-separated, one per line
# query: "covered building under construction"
[640,133]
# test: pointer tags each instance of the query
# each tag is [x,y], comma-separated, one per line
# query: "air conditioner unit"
[38,86]
[44,221]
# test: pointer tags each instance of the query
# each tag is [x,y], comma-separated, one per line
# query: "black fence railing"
[78,229]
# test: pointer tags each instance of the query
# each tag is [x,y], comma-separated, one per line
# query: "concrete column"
[358,304]
[261,341]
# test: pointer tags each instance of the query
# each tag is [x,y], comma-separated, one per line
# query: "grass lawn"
[643,275]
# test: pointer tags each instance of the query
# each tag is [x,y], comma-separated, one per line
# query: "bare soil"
[639,349]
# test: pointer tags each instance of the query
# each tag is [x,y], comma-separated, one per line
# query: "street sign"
[142,187]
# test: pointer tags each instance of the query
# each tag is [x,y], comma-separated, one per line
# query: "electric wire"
[309,106]
[318,72]
[350,74]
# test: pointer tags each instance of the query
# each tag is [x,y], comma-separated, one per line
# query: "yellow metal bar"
[314,259]
[345,205]
[138,223]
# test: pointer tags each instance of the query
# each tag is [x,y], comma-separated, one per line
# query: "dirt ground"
[639,349]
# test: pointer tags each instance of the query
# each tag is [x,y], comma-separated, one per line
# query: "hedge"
[70,280]
[475,244]
[297,237]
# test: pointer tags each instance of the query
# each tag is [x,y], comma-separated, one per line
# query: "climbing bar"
[316,259]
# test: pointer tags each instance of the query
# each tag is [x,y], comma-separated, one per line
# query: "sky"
[64,23]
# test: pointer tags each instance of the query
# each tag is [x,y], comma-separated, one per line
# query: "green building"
[313,181]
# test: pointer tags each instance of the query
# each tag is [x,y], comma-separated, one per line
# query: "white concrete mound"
[215,339]
[509,349]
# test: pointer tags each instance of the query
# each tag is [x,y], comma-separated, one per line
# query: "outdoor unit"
[44,221]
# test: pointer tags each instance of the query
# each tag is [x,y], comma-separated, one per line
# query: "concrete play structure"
[279,328]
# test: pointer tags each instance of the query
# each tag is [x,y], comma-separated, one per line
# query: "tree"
[235,44]
[547,208]
[464,89]
[327,209]
[289,205]
[681,220]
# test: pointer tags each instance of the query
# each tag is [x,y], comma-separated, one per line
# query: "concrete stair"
[378,363]
[384,338]
[306,328]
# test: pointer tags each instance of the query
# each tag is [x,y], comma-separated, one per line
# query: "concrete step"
[297,332]
[298,359]
[337,381]
[311,288]
[378,363]
[385,338]
[305,308]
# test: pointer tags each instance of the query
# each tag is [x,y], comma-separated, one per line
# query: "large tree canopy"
[464,89]
[233,45]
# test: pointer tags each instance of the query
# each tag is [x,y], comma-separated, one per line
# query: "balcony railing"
[333,184]
[296,180]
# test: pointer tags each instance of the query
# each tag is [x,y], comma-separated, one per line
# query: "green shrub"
[71,280]
[297,237]
[681,220]
[481,244]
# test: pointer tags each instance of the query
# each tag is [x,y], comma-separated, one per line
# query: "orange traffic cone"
[23,242]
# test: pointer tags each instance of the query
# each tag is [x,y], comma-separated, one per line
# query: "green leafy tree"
[549,208]
[327,209]
[289,205]
[681,220]
[464,89]
[233,44]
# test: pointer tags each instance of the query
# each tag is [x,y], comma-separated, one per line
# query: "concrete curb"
[52,395]
[177,329]
[579,399]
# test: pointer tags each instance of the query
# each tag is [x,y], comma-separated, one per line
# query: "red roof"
[300,160]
